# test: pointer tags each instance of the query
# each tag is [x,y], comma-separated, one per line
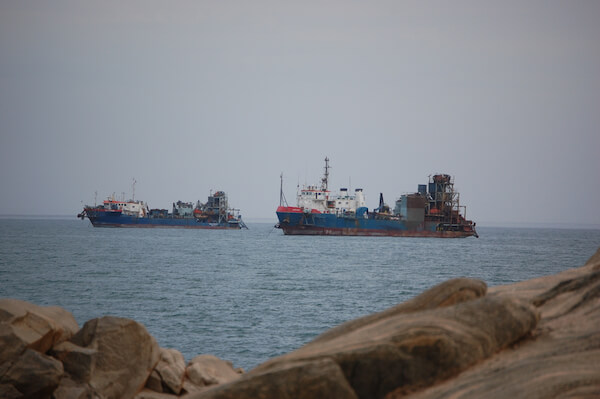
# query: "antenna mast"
[133,190]
[325,179]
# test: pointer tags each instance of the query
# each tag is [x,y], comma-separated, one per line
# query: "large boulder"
[406,347]
[113,356]
[71,389]
[27,332]
[208,370]
[78,361]
[32,375]
[321,378]
[168,375]
[11,347]
[448,293]
[37,327]
[561,359]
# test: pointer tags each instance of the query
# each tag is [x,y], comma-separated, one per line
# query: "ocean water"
[249,295]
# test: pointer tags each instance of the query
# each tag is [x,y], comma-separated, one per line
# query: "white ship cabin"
[313,197]
[346,203]
[131,208]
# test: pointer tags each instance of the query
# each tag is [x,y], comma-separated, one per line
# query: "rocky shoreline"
[534,339]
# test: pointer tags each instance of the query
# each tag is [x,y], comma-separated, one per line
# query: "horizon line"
[488,223]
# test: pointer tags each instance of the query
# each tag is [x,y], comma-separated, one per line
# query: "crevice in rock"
[567,286]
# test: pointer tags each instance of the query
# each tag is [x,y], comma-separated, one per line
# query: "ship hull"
[432,211]
[299,223]
[106,219]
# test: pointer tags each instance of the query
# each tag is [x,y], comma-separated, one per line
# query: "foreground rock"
[404,348]
[35,327]
[560,358]
[110,357]
[27,332]
[169,373]
[535,339]
[31,375]
[43,354]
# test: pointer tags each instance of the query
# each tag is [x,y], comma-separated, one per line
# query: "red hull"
[157,226]
[331,231]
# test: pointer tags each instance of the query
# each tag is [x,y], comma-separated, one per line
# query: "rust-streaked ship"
[214,214]
[433,211]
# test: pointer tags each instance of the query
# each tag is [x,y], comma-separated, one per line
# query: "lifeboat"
[198,214]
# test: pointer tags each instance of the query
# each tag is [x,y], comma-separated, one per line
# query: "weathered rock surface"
[169,373]
[403,348]
[535,339]
[150,394]
[70,389]
[294,380]
[115,356]
[448,293]
[27,332]
[38,327]
[33,375]
[206,370]
[561,358]
[78,361]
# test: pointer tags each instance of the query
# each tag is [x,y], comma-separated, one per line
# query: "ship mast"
[282,199]
[325,179]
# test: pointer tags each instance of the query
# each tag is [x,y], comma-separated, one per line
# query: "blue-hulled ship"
[433,211]
[214,214]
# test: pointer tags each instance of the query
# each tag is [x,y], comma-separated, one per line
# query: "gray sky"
[190,96]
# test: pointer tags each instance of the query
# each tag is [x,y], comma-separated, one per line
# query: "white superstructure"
[320,198]
[131,208]
[346,202]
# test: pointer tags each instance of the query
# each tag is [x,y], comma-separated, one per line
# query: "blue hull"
[296,223]
[119,220]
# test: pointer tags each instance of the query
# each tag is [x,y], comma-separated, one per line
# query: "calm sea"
[249,295]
